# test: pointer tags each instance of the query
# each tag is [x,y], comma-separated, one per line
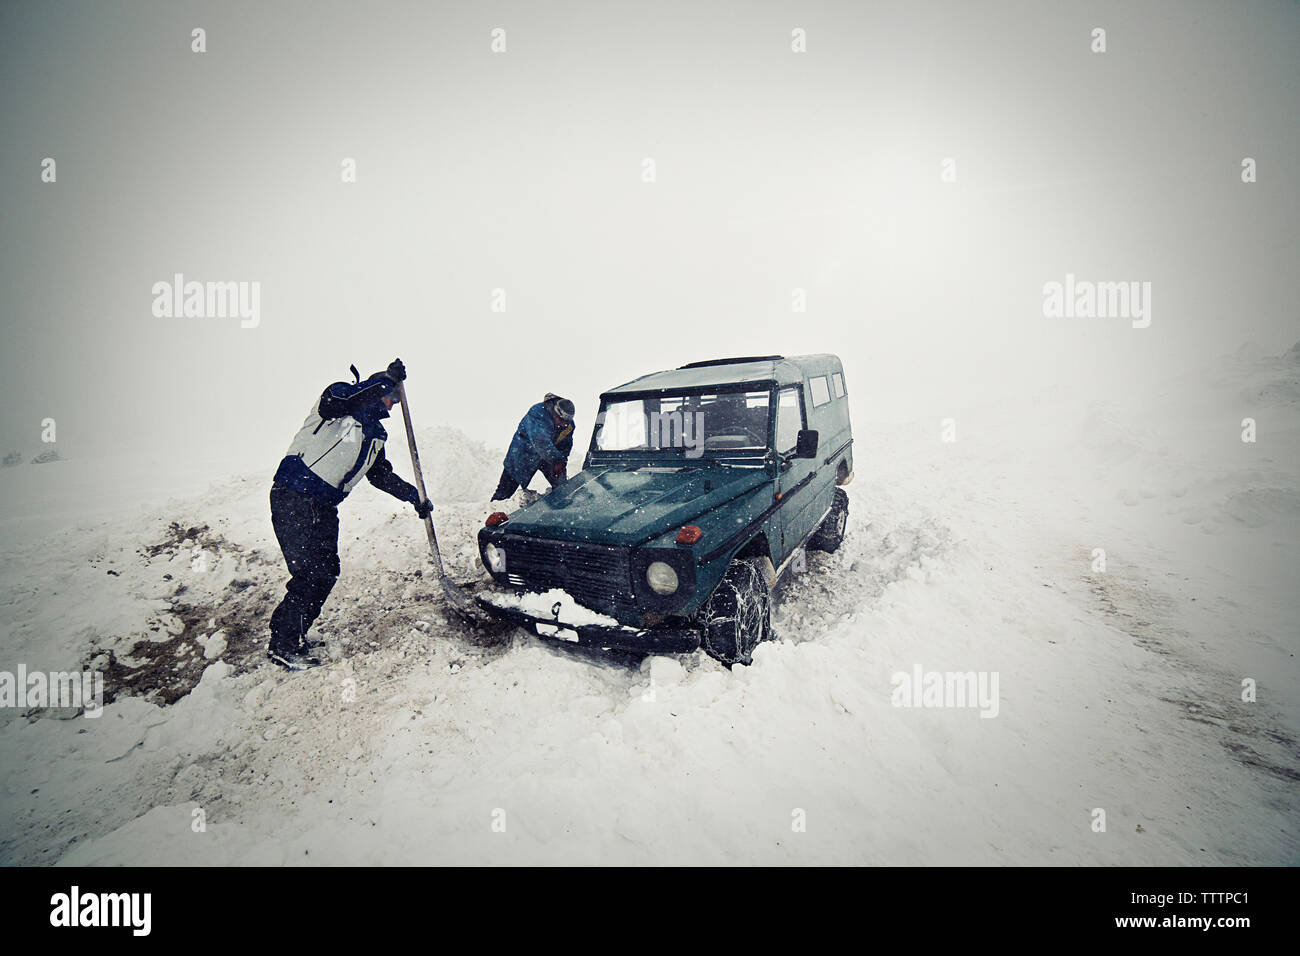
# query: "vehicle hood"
[623,505]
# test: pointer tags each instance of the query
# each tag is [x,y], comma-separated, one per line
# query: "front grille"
[596,575]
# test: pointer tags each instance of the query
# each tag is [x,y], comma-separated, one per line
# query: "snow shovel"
[457,597]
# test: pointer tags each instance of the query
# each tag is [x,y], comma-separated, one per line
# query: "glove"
[424,508]
[396,371]
[559,470]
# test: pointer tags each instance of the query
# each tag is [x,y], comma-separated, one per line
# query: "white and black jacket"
[341,442]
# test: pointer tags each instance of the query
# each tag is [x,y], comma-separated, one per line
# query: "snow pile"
[456,467]
[555,604]
[1120,678]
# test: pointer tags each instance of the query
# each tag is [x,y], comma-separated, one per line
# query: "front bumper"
[646,640]
[608,579]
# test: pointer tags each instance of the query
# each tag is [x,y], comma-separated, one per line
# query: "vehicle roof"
[779,369]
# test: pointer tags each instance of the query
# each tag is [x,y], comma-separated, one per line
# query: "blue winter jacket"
[341,442]
[537,440]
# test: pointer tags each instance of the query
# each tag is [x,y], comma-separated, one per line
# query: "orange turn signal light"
[689,534]
[495,518]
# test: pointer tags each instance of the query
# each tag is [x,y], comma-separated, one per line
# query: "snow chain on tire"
[737,615]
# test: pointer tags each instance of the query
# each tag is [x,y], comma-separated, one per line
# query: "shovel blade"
[462,602]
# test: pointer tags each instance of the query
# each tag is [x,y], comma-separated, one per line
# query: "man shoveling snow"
[341,441]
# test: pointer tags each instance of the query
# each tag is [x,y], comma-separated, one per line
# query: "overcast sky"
[524,171]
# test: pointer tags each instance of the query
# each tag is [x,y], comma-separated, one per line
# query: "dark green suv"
[700,487]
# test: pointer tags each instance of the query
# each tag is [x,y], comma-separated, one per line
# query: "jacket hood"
[375,411]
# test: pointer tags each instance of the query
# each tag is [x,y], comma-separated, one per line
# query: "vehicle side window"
[821,393]
[789,419]
[838,381]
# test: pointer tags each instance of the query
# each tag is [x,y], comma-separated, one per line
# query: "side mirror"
[805,445]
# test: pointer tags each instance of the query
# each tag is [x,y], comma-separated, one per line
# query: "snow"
[556,604]
[426,742]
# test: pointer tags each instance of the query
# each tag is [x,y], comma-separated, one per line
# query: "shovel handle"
[419,477]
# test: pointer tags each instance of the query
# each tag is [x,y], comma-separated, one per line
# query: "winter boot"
[303,657]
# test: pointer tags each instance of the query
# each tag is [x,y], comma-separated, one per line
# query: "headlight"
[496,559]
[661,577]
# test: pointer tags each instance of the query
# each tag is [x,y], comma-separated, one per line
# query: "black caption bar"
[138,907]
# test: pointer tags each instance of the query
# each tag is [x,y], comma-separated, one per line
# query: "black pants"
[308,532]
[507,486]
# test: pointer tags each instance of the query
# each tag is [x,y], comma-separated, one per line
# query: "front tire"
[738,614]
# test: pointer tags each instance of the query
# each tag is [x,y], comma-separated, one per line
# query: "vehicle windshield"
[723,422]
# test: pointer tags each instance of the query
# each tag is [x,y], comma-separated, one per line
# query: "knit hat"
[560,407]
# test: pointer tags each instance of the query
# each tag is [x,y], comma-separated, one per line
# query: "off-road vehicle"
[699,489]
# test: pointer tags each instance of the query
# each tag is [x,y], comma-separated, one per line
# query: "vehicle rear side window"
[789,420]
[821,393]
[837,380]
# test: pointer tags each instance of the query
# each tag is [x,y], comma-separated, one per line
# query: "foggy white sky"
[522,171]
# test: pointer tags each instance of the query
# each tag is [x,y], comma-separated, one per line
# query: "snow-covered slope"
[426,742]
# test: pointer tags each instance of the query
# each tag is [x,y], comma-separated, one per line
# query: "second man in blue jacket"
[542,442]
